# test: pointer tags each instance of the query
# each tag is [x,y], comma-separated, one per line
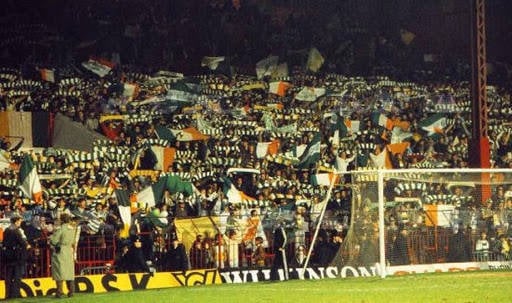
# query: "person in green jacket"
[63,242]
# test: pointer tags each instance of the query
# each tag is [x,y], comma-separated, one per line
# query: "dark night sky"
[441,27]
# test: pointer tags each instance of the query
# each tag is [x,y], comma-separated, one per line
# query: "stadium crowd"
[250,148]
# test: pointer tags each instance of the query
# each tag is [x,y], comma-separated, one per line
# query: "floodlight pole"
[382,227]
[479,147]
[479,151]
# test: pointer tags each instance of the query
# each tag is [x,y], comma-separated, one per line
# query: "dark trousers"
[277,264]
[13,275]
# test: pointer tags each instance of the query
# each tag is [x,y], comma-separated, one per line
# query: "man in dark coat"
[15,254]
[132,259]
[459,248]
[176,257]
[400,248]
[279,250]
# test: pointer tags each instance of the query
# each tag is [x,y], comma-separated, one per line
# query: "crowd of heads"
[363,123]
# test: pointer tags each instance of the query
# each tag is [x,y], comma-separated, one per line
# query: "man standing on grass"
[279,244]
[15,254]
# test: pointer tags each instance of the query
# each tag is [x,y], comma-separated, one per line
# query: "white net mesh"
[428,216]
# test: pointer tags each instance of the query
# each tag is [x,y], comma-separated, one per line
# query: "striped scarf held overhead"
[403,187]
[204,175]
[225,162]
[70,82]
[185,176]
[55,192]
[8,77]
[23,84]
[226,150]
[155,141]
[9,183]
[246,132]
[79,157]
[186,154]
[440,198]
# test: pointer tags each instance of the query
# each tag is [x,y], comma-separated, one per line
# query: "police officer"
[15,254]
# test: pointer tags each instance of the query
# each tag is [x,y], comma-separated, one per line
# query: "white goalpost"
[424,220]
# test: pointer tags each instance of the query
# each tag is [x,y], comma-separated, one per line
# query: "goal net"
[406,218]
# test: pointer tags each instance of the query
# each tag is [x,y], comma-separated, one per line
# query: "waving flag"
[47,74]
[152,195]
[164,156]
[312,153]
[353,125]
[127,205]
[310,93]
[315,60]
[279,88]
[382,120]
[281,71]
[100,67]
[176,185]
[4,162]
[267,148]
[212,62]
[130,90]
[29,180]
[234,195]
[381,161]
[398,148]
[325,179]
[398,135]
[32,127]
[339,126]
[266,67]
[434,124]
[188,134]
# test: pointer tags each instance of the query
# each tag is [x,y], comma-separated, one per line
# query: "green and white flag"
[212,62]
[176,185]
[124,204]
[312,153]
[267,66]
[310,94]
[434,124]
[153,194]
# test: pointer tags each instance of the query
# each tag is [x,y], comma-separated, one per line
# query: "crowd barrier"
[97,254]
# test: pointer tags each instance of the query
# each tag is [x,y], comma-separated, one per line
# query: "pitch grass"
[467,287]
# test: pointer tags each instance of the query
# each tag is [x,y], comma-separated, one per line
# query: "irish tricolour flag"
[382,120]
[29,180]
